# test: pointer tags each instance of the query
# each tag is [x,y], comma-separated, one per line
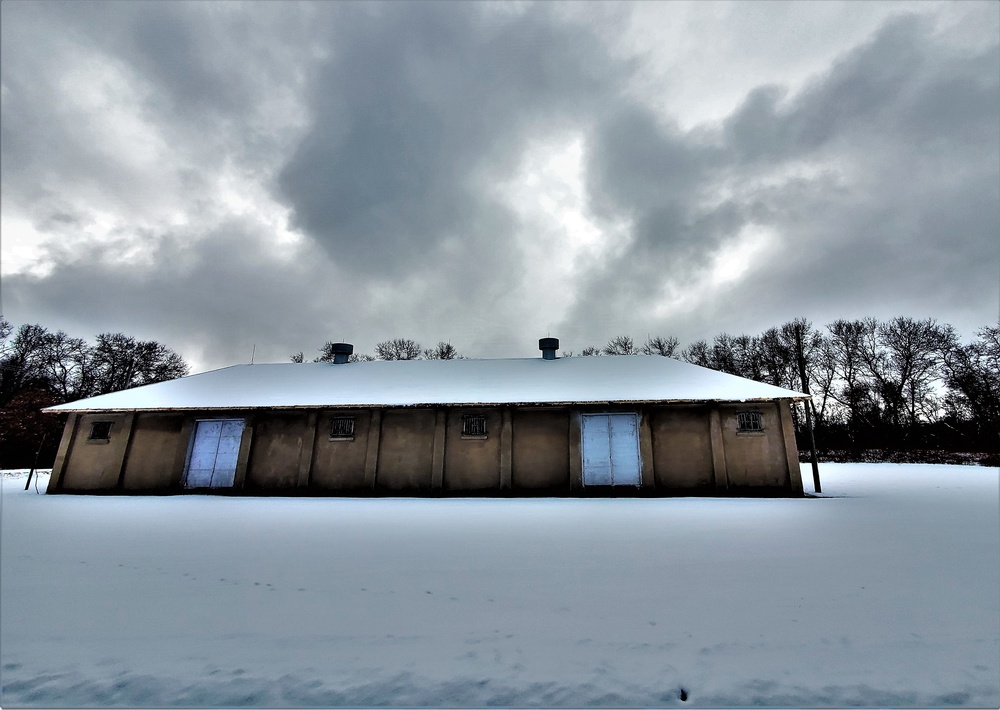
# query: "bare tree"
[591,351]
[801,343]
[620,345]
[824,374]
[443,351]
[776,359]
[843,352]
[120,361]
[666,347]
[6,328]
[739,355]
[723,355]
[397,349]
[298,358]
[23,360]
[748,357]
[68,366]
[903,357]
[697,353]
[972,374]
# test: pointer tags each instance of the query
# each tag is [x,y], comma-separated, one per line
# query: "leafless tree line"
[40,368]
[900,382]
[395,349]
[70,368]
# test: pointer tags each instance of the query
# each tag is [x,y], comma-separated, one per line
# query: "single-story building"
[528,426]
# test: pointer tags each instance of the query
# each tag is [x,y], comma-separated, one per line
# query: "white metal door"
[216,448]
[611,450]
[597,450]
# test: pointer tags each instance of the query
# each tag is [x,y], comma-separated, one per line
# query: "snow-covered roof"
[573,380]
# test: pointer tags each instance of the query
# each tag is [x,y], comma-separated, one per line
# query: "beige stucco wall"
[754,459]
[424,450]
[406,449]
[541,449]
[274,454]
[338,464]
[472,463]
[682,451]
[95,465]
[155,453]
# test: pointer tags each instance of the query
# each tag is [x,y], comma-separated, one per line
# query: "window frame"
[98,427]
[749,421]
[474,426]
[335,436]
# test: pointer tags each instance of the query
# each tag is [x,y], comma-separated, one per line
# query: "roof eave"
[418,405]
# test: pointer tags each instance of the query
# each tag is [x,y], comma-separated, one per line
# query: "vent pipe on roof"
[548,346]
[341,352]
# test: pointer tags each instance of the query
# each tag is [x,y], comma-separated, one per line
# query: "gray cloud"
[181,136]
[900,217]
[422,105]
[212,304]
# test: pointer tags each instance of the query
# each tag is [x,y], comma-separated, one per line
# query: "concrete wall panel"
[339,464]
[682,453]
[472,463]
[151,460]
[540,456]
[96,464]
[274,455]
[406,450]
[755,459]
[418,450]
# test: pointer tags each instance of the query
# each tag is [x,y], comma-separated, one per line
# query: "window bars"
[474,425]
[342,428]
[749,422]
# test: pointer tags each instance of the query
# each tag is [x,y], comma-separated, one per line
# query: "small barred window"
[100,431]
[343,428]
[749,421]
[474,425]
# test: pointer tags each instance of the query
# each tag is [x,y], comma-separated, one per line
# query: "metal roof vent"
[341,352]
[548,346]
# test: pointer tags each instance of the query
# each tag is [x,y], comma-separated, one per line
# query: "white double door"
[611,450]
[214,453]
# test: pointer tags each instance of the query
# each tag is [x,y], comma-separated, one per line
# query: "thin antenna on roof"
[253,352]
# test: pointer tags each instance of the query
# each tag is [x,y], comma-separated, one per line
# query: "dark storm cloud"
[212,304]
[392,134]
[421,106]
[196,73]
[902,215]
[902,87]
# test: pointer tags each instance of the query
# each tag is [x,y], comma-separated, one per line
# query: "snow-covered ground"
[885,592]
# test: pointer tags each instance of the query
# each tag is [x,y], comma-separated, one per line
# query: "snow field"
[884,592]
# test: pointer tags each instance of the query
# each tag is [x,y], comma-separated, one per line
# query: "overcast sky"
[217,175]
